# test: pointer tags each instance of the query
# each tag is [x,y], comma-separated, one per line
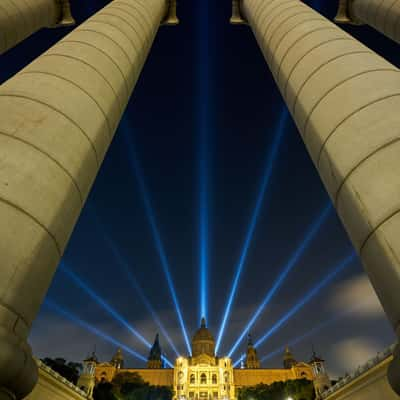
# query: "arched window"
[192,380]
[226,376]
[214,379]
[203,379]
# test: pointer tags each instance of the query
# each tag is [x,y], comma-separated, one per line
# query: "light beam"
[123,263]
[309,296]
[284,273]
[314,330]
[68,315]
[204,127]
[306,335]
[132,158]
[80,283]
[273,153]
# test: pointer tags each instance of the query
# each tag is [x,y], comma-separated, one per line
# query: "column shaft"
[383,15]
[344,99]
[57,119]
[21,18]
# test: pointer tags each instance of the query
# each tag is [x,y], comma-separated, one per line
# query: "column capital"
[237,17]
[344,14]
[66,18]
[170,16]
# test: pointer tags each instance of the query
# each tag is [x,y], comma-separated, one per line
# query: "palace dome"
[203,341]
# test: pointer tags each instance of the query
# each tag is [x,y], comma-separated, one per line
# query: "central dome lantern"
[203,341]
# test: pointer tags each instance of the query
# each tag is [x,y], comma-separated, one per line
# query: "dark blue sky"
[207,77]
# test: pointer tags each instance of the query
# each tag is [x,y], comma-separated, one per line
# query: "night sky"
[200,135]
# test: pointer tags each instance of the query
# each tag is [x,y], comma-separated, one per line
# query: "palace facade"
[205,376]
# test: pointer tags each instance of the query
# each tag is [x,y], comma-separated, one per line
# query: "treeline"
[130,386]
[299,389]
[68,370]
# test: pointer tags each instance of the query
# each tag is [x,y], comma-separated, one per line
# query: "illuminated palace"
[204,376]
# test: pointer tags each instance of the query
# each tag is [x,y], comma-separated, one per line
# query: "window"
[191,395]
[192,379]
[203,379]
[226,376]
[215,395]
[214,379]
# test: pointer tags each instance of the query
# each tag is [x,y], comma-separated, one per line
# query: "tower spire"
[252,361]
[155,357]
[288,359]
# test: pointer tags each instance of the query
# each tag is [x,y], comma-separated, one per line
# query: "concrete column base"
[18,369]
[394,370]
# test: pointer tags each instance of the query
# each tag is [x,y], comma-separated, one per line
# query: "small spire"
[203,323]
[249,340]
[313,350]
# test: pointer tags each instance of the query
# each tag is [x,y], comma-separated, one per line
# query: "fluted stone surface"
[20,18]
[383,15]
[57,119]
[345,100]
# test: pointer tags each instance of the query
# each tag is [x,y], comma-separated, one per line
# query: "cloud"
[357,296]
[353,352]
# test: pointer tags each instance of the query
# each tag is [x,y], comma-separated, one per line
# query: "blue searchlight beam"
[273,153]
[313,331]
[309,296]
[284,273]
[204,118]
[80,283]
[121,260]
[68,315]
[154,229]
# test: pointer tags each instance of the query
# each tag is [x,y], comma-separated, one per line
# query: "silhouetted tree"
[131,386]
[299,389]
[69,371]
[104,391]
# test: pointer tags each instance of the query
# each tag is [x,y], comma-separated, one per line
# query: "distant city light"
[126,129]
[313,230]
[271,159]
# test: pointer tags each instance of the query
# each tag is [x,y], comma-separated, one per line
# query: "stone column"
[345,100]
[57,119]
[383,15]
[20,18]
